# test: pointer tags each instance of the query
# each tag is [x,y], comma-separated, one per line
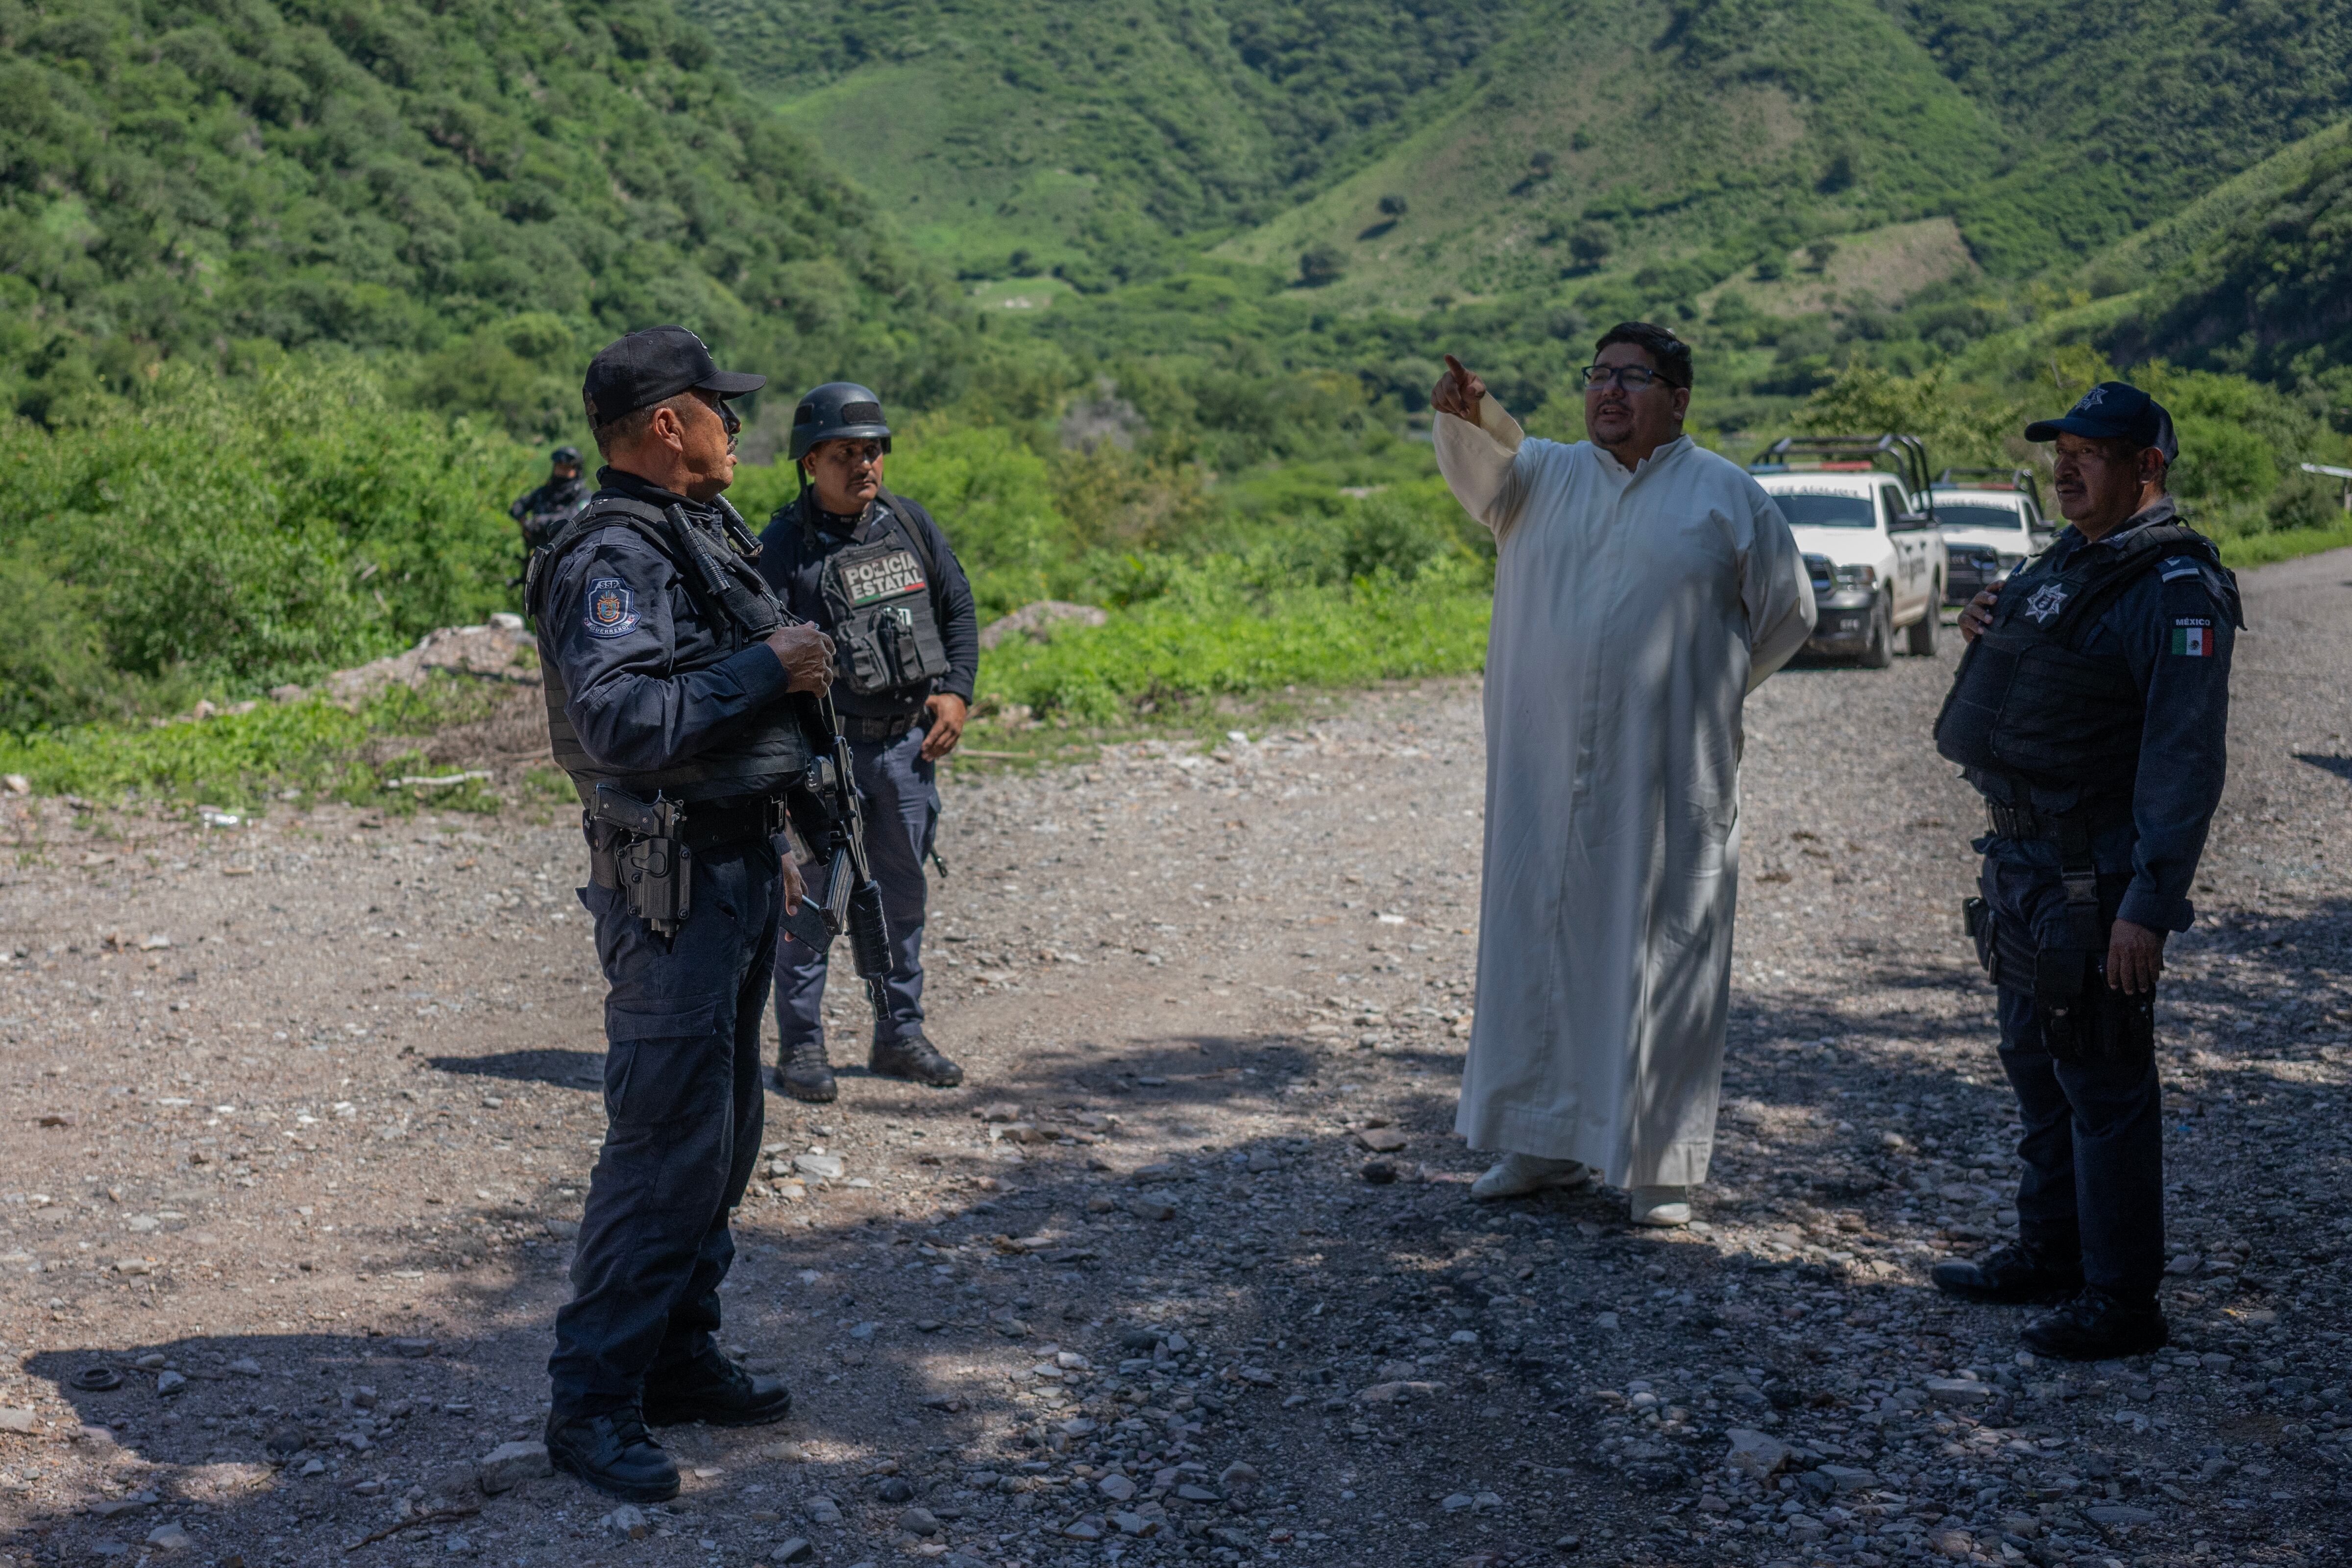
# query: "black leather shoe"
[2097,1326]
[804,1074]
[613,1453]
[916,1058]
[716,1390]
[2012,1276]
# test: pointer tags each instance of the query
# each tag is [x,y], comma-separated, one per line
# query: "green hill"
[2260,279]
[1109,141]
[1099,139]
[1661,144]
[503,185]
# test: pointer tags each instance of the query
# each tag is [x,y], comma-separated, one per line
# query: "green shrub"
[239,533]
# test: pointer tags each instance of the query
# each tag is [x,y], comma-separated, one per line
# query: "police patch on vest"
[2045,604]
[2192,639]
[884,577]
[612,608]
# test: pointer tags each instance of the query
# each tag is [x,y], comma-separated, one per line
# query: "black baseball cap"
[640,370]
[2114,411]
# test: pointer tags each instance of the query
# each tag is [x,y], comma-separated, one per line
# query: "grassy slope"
[178,176]
[1760,129]
[1102,138]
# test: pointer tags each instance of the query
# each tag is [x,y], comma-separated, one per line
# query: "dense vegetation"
[491,189]
[297,296]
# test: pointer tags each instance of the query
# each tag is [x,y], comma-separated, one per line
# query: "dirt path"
[300,1180]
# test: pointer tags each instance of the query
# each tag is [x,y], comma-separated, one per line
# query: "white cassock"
[1633,613]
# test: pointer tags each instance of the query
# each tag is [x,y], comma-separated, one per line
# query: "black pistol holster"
[639,847]
[2082,1018]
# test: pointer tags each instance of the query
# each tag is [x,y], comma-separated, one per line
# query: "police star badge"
[2047,601]
[612,608]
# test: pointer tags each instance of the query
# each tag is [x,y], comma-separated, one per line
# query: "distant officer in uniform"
[542,513]
[875,572]
[668,668]
[2091,710]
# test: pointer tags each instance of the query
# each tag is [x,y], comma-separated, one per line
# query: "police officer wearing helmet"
[543,513]
[668,666]
[874,571]
[2092,711]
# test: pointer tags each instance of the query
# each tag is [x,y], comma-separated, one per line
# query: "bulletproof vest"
[549,508]
[771,754]
[885,635]
[2028,702]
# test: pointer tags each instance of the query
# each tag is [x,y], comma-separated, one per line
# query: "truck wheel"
[1919,636]
[1881,651]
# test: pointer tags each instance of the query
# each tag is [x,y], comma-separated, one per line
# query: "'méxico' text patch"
[2193,639]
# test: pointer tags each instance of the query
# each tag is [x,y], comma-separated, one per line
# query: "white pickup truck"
[1992,524]
[1875,553]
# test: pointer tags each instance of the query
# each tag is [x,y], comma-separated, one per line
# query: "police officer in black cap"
[543,513]
[2092,711]
[668,666]
[875,571]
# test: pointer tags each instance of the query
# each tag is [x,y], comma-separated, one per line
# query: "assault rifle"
[829,817]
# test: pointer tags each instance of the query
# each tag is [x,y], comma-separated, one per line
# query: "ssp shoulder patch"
[2192,639]
[612,608]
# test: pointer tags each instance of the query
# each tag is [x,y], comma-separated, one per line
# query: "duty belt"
[890,727]
[2070,831]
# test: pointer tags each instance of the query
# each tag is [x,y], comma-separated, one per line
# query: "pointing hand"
[1458,392]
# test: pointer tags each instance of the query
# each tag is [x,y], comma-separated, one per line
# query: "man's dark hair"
[1669,353]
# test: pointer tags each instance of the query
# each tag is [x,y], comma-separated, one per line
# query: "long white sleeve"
[1477,460]
[1776,593]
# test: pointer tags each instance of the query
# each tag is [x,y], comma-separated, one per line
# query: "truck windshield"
[1967,514]
[1824,511]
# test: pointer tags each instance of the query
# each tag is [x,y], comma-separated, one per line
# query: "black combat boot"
[916,1058]
[612,1452]
[2018,1275]
[2097,1326]
[713,1389]
[804,1074]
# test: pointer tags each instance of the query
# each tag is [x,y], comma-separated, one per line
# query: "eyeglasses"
[1631,377]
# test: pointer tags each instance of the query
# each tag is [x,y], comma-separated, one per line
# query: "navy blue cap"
[2114,411]
[640,370]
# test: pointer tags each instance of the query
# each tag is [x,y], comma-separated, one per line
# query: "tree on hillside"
[1320,264]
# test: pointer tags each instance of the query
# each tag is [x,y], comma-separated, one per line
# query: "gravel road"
[297,1115]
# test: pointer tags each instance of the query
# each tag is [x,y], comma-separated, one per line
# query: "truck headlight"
[1857,576]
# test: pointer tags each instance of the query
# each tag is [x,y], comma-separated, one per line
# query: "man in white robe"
[1643,587]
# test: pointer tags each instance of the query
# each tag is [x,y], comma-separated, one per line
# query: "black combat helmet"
[564,457]
[837,411]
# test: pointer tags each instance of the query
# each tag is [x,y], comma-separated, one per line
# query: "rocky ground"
[297,1115]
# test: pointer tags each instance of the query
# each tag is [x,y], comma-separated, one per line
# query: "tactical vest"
[2028,703]
[884,632]
[546,518]
[772,753]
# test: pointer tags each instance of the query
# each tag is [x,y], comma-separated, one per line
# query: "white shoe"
[1517,1175]
[1661,1205]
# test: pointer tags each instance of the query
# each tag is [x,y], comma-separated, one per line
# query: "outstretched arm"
[1477,446]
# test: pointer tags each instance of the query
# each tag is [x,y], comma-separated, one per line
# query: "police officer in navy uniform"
[2091,710]
[875,572]
[541,513]
[668,667]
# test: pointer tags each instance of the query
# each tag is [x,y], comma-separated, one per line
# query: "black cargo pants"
[2093,1140]
[683,1102]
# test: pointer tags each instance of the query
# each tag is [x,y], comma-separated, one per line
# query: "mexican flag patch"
[2193,639]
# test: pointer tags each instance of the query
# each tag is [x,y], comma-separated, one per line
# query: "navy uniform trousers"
[2093,1140]
[683,1097]
[901,798]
